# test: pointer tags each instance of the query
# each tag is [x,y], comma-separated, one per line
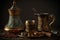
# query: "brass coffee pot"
[14,24]
[45,21]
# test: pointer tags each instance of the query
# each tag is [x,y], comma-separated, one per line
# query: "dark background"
[26,6]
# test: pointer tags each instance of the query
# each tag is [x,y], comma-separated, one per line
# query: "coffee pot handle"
[52,19]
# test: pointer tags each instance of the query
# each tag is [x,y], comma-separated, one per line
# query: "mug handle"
[52,19]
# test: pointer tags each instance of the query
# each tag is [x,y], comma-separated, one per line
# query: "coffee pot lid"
[14,6]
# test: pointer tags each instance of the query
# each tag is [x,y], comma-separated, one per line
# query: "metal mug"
[45,20]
